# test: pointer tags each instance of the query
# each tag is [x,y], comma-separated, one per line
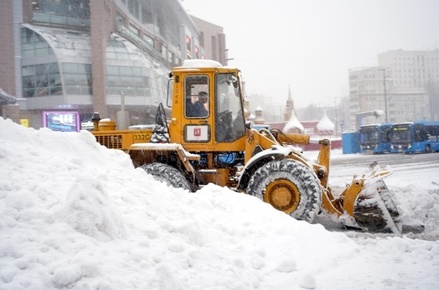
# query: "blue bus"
[375,138]
[415,137]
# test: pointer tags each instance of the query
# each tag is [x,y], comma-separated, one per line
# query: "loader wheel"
[289,186]
[168,174]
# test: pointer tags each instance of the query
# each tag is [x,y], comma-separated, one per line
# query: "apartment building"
[404,85]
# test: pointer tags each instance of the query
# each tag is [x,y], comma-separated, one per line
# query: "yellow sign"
[24,122]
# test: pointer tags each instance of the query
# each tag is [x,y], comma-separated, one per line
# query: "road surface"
[405,168]
[346,165]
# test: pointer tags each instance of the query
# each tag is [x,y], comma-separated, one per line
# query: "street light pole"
[336,115]
[385,95]
[227,55]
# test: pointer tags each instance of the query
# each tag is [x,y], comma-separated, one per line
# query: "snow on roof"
[325,125]
[293,123]
[194,63]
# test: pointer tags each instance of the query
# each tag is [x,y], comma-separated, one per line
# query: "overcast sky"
[310,45]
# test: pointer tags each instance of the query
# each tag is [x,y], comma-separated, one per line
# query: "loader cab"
[207,107]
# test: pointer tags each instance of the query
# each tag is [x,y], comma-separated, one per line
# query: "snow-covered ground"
[75,215]
[414,186]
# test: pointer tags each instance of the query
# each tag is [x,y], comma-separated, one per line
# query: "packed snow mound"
[76,215]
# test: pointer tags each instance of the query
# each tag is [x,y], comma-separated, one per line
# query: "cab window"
[197,96]
[229,117]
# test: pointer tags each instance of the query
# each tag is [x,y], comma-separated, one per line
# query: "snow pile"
[417,198]
[415,191]
[75,215]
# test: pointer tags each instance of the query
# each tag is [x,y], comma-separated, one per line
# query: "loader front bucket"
[368,204]
[374,208]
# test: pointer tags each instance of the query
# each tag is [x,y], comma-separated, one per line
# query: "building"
[212,39]
[412,73]
[95,55]
[405,86]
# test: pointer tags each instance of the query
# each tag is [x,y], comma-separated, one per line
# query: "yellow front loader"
[190,151]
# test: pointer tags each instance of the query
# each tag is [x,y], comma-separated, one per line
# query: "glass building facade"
[134,80]
[56,64]
[72,13]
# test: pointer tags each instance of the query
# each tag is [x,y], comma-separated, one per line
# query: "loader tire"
[289,186]
[168,174]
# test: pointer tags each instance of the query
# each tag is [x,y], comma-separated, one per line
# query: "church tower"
[289,107]
[292,123]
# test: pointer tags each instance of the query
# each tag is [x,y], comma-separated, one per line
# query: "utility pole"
[226,52]
[385,96]
[336,115]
